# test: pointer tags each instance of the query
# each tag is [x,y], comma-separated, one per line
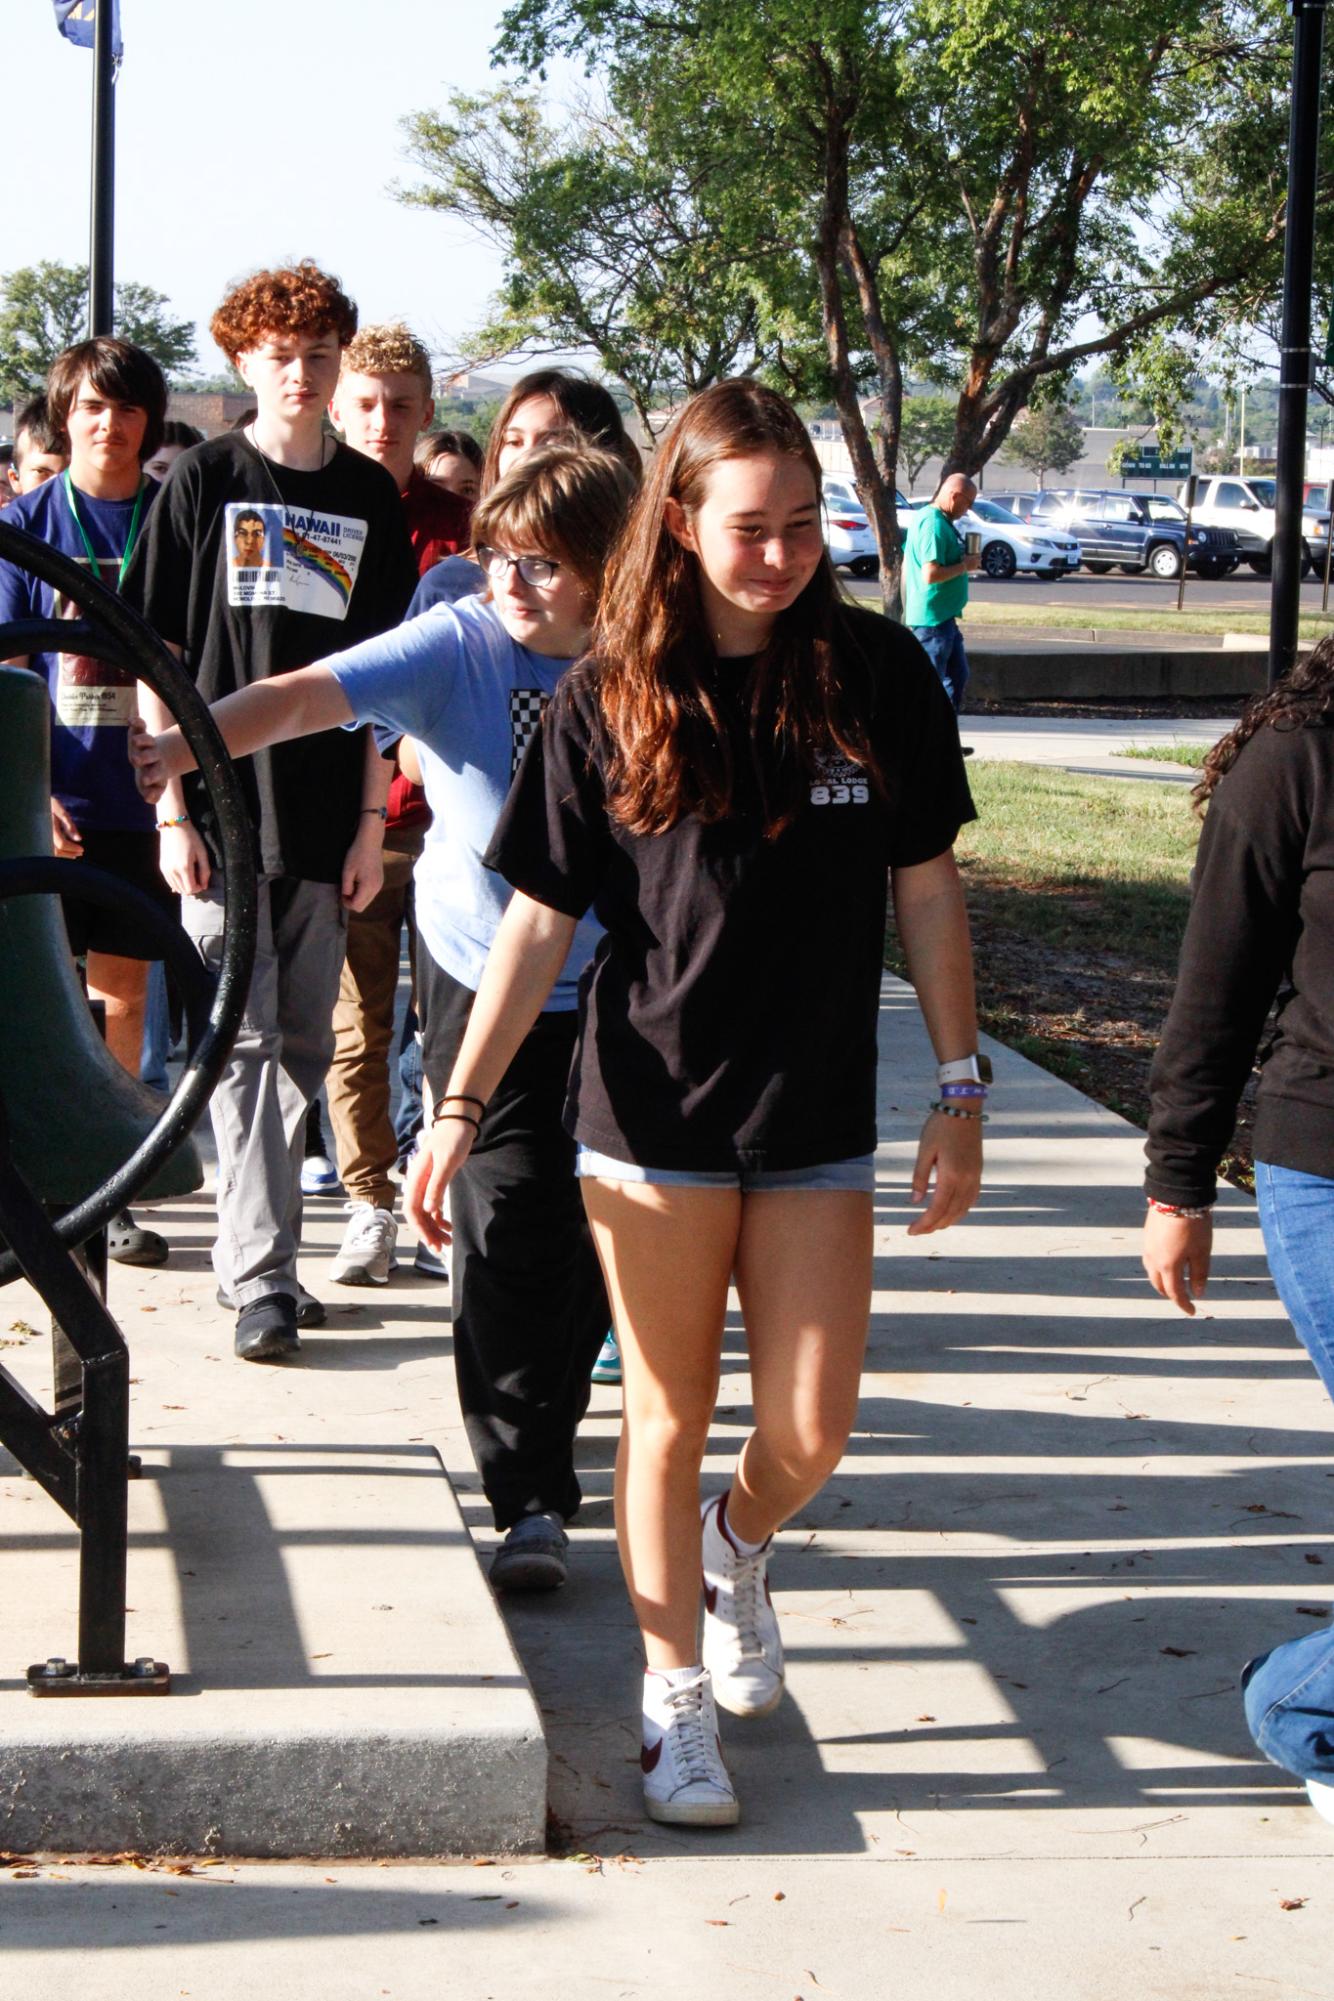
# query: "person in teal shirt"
[936,566]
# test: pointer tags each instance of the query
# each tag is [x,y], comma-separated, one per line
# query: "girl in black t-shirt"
[729,781]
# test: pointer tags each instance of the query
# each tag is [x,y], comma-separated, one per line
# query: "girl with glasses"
[469,683]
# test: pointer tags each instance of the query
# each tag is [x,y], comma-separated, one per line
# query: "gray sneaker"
[532,1556]
[366,1256]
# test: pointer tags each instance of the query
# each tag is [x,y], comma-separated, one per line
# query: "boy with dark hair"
[41,451]
[332,565]
[382,403]
[109,400]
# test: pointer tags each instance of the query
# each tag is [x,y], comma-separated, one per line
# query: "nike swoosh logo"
[648,1760]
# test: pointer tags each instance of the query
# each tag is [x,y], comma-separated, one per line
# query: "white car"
[1009,544]
[848,534]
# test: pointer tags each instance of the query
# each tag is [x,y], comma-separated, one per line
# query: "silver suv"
[1246,506]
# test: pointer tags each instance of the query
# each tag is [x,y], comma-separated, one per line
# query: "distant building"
[208,410]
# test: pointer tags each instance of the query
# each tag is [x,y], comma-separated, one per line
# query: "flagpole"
[102,233]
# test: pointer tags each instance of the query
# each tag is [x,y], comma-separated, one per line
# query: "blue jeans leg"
[1289,1692]
[943,645]
[1297,1217]
[157,1031]
[408,1121]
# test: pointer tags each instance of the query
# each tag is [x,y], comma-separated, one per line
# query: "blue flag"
[75,20]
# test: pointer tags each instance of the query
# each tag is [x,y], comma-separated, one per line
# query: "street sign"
[1146,462]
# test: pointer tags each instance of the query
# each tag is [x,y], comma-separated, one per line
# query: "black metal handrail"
[115,633]
[80,1452]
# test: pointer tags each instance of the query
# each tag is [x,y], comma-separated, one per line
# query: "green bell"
[74,1115]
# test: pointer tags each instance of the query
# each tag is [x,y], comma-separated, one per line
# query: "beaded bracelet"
[957,1112]
[1171,1209]
[181,820]
[465,1118]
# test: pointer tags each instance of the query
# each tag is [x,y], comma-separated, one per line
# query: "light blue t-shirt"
[454,681]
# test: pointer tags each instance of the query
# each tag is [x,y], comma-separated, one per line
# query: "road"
[1242,591]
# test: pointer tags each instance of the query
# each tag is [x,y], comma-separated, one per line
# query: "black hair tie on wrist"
[466,1118]
[461,1097]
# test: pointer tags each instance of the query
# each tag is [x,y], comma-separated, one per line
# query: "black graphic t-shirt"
[729,1015]
[252,569]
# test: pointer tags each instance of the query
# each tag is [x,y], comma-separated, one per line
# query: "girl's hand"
[952,1148]
[443,1150]
[182,859]
[66,840]
[1176,1256]
[363,865]
[148,755]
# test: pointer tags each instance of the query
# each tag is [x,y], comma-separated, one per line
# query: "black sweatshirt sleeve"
[1239,942]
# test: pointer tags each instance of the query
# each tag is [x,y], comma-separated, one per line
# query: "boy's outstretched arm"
[301,703]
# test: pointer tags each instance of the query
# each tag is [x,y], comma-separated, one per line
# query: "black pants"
[529,1306]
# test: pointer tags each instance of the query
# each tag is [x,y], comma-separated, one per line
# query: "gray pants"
[277,1065]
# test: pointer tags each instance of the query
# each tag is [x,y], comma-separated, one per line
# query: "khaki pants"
[357,1086]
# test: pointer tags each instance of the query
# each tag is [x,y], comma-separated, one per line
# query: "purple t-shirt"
[91,702]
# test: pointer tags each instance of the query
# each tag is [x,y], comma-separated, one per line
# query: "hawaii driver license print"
[303,560]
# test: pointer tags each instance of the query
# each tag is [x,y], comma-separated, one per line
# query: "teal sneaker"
[607,1368]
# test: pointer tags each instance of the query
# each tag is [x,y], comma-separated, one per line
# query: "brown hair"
[34,424]
[566,501]
[117,369]
[1303,699]
[671,754]
[300,299]
[587,407]
[458,444]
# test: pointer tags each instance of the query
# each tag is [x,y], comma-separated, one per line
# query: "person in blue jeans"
[1261,930]
[936,569]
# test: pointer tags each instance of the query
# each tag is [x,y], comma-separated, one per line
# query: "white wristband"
[964,1070]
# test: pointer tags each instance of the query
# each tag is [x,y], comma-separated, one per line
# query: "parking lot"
[1242,591]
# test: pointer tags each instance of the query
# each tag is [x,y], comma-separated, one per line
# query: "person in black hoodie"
[1261,928]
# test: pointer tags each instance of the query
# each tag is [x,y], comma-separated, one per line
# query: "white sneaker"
[366,1256]
[743,1649]
[685,1779]
[1321,1797]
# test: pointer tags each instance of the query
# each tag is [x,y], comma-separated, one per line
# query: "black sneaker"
[266,1330]
[310,1312]
[127,1244]
[533,1556]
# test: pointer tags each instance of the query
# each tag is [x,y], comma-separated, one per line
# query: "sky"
[250,134]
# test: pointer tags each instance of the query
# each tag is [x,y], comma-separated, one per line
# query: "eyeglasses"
[533,569]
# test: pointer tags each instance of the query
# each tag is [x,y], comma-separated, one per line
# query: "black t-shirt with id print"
[729,1015]
[251,569]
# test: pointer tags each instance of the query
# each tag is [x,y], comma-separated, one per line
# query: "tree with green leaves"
[607,244]
[1049,438]
[995,190]
[926,432]
[44,310]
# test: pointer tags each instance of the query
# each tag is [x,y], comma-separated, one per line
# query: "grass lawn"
[1077,894]
[1192,754]
[988,611]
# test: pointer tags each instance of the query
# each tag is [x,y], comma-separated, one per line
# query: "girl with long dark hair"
[729,781]
[1261,928]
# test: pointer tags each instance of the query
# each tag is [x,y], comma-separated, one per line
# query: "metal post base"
[60,1677]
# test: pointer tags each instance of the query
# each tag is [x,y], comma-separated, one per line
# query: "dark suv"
[1138,531]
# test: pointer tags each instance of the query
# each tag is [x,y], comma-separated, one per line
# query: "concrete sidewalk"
[1012,1759]
[1089,745]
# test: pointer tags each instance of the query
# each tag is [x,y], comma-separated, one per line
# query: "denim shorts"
[854,1177]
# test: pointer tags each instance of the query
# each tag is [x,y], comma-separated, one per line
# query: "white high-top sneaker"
[685,1779]
[743,1649]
